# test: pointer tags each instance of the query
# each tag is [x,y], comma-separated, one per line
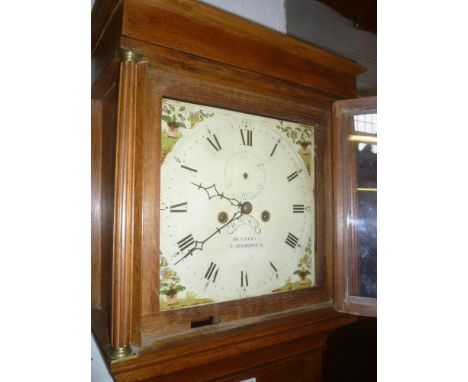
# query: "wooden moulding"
[100,15]
[96,197]
[346,263]
[192,84]
[338,211]
[233,349]
[196,53]
[104,58]
[141,120]
[104,121]
[179,64]
[199,29]
[124,208]
[353,261]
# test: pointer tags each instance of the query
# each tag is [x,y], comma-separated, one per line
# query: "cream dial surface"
[241,168]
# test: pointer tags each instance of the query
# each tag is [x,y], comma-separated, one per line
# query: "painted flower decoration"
[305,261]
[194,118]
[168,279]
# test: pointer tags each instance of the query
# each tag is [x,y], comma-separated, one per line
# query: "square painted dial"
[237,205]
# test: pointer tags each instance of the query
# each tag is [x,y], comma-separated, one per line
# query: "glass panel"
[367,243]
[366,155]
[362,265]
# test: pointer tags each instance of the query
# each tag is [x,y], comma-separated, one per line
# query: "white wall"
[269,13]
[99,372]
[312,21]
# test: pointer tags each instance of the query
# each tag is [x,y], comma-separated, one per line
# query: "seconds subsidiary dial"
[237,205]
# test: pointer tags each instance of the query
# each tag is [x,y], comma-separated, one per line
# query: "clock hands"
[198,245]
[212,192]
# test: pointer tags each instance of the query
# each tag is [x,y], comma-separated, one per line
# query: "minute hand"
[199,244]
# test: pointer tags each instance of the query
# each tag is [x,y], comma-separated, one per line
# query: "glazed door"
[355,205]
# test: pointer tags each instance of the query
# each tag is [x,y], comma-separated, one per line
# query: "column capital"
[130,54]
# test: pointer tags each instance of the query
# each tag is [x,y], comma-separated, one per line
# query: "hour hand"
[212,192]
[195,245]
[186,243]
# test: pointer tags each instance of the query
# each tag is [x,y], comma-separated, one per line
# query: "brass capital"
[130,54]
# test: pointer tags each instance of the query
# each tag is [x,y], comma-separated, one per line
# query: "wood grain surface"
[192,84]
[205,31]
[345,246]
[124,208]
[238,349]
[193,52]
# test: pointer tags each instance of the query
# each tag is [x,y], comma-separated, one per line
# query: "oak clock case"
[238,303]
[237,205]
[227,141]
[234,125]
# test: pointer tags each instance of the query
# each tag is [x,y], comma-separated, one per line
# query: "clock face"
[237,206]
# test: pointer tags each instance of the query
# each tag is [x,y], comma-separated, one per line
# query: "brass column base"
[120,354]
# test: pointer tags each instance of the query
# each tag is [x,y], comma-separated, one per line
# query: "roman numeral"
[244,279]
[292,176]
[211,272]
[249,137]
[186,242]
[175,209]
[188,168]
[273,266]
[298,208]
[291,240]
[215,145]
[274,148]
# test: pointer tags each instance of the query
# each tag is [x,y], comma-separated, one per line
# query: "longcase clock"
[213,201]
